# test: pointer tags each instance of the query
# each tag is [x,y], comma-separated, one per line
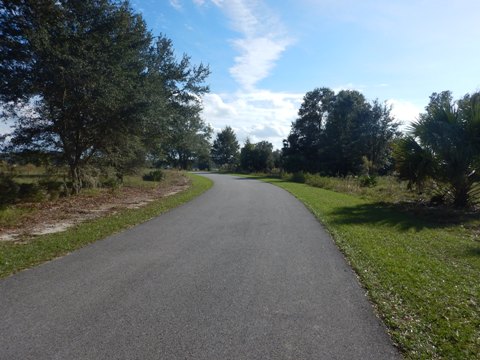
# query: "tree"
[79,65]
[379,134]
[256,157]
[186,140]
[247,156]
[303,148]
[84,78]
[444,144]
[336,134]
[225,149]
[174,132]
[343,130]
[413,162]
[263,156]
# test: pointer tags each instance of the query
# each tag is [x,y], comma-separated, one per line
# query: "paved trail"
[242,272]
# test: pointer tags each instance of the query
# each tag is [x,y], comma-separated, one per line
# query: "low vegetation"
[388,189]
[419,265]
[15,256]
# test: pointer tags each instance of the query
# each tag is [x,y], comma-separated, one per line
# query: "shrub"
[54,188]
[31,192]
[8,189]
[155,175]
[51,185]
[298,177]
[317,181]
[90,176]
[368,181]
[111,183]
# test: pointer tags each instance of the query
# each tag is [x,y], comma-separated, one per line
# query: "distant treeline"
[343,134]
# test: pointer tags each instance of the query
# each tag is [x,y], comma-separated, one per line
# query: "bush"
[368,181]
[31,192]
[8,189]
[298,177]
[155,175]
[111,182]
[54,188]
[52,185]
[317,181]
[90,176]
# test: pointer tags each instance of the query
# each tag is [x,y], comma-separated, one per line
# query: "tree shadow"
[473,251]
[259,178]
[404,216]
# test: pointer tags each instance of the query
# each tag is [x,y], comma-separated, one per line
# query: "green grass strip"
[423,276]
[16,257]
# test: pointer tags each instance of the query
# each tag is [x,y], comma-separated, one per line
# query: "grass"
[12,215]
[15,256]
[388,188]
[421,273]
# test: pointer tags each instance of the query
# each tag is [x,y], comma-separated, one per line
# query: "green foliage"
[444,145]
[31,192]
[334,132]
[368,180]
[54,188]
[225,149]
[84,94]
[112,183]
[8,189]
[175,134]
[414,163]
[155,175]
[84,79]
[11,215]
[299,177]
[386,188]
[257,157]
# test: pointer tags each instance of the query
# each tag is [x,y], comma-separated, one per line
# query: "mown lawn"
[17,256]
[422,275]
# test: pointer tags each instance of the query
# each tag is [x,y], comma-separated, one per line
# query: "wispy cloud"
[176,4]
[257,58]
[263,40]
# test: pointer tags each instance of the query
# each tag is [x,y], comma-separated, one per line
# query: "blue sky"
[265,55]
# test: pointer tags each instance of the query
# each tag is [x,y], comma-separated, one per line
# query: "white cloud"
[404,111]
[349,86]
[259,115]
[256,60]
[262,43]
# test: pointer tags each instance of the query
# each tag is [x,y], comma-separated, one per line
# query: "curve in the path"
[242,272]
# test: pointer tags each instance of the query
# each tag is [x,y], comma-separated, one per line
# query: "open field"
[18,255]
[421,270]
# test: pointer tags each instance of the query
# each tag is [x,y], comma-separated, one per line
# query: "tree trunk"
[76,178]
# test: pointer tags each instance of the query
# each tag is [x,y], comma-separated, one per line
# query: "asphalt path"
[242,272]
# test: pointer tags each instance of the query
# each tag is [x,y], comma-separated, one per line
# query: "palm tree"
[444,144]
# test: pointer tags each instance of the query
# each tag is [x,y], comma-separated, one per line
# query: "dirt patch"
[59,215]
